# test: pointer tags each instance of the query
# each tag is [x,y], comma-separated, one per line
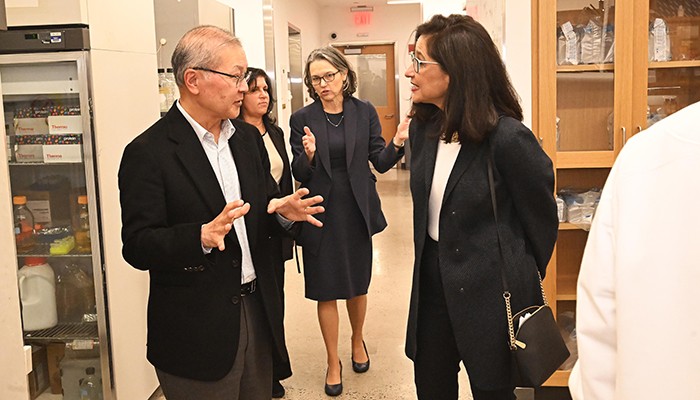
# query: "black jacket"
[167,191]
[468,248]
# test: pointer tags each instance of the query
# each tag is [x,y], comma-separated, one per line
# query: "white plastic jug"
[37,290]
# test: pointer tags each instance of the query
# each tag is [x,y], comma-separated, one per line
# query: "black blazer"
[363,142]
[468,249]
[167,191]
[286,186]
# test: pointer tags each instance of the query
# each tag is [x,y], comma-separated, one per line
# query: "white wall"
[306,16]
[518,41]
[125,102]
[390,23]
[250,29]
[49,12]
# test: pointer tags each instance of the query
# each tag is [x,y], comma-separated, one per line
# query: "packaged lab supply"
[75,294]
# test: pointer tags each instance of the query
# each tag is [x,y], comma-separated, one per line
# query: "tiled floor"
[391,373]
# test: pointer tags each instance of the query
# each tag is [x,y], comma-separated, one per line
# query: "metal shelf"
[13,163]
[64,332]
[43,251]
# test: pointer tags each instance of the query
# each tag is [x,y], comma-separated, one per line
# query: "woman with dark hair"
[332,141]
[258,103]
[465,114]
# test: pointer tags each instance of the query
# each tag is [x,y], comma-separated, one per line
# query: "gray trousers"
[251,375]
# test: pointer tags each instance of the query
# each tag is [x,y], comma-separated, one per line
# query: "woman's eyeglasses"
[328,78]
[238,78]
[418,63]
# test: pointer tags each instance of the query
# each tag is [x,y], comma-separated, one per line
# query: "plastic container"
[90,386]
[82,227]
[173,85]
[24,225]
[164,91]
[37,289]
[73,374]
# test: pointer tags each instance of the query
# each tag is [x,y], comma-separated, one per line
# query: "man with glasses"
[196,197]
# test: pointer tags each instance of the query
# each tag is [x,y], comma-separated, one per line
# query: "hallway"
[391,373]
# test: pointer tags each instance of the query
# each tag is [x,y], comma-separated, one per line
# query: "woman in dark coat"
[257,105]
[332,141]
[465,112]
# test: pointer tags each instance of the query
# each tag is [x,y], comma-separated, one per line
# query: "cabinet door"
[584,75]
[51,179]
[667,52]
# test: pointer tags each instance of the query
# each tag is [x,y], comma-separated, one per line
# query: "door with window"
[376,82]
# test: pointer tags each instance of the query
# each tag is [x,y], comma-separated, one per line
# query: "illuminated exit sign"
[362,18]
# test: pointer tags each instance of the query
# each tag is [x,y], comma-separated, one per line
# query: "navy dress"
[338,270]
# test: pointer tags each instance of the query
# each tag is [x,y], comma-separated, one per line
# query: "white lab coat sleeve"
[596,323]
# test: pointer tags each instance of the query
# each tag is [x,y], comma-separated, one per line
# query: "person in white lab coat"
[636,315]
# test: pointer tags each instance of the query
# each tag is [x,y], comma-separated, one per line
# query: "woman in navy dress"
[332,141]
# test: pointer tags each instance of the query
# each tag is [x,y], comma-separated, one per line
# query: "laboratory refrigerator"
[57,253]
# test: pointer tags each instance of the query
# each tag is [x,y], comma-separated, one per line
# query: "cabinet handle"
[639,128]
[388,116]
[624,135]
[541,140]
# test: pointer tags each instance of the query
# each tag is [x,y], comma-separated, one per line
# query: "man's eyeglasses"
[329,77]
[238,78]
[418,63]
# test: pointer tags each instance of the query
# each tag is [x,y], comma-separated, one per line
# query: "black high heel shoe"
[337,389]
[361,367]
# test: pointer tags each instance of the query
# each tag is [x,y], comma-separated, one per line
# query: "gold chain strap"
[544,296]
[514,344]
[509,314]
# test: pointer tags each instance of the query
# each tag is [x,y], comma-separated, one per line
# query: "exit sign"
[363,18]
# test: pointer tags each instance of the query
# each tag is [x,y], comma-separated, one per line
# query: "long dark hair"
[338,61]
[479,90]
[252,82]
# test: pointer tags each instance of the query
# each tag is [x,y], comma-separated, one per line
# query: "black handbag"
[537,347]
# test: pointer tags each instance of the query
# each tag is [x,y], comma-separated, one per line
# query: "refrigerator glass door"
[46,108]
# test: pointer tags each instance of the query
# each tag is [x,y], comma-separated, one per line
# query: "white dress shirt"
[444,162]
[224,166]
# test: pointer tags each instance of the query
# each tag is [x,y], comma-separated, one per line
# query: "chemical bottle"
[163,90]
[24,225]
[90,386]
[37,290]
[173,84]
[75,294]
[82,227]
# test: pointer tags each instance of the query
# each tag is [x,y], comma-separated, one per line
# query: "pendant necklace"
[329,120]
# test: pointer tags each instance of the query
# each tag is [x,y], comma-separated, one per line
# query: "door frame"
[395,72]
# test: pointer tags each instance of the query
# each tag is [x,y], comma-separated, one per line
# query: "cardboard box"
[39,377]
[31,126]
[61,153]
[60,124]
[54,190]
[29,153]
[54,354]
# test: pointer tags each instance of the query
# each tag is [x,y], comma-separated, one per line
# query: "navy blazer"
[363,142]
[469,259]
[167,191]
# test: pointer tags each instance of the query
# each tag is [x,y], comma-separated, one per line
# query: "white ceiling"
[350,3]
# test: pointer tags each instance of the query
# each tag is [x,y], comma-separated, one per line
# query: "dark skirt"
[342,268]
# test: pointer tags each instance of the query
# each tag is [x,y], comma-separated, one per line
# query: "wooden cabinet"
[602,95]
